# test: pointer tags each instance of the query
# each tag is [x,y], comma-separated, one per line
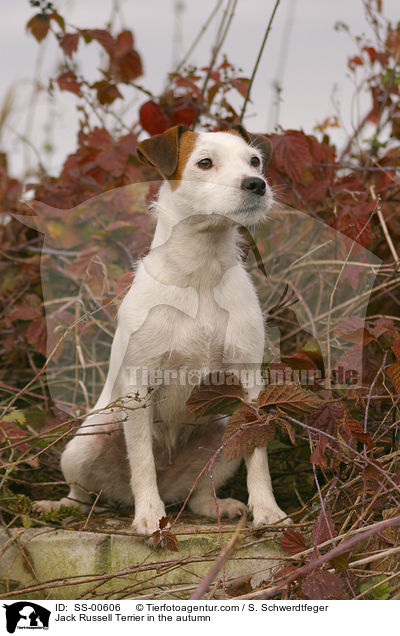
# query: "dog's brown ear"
[259,141]
[162,151]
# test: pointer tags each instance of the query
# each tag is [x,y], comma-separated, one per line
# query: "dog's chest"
[199,341]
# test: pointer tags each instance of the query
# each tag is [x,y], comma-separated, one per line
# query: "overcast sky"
[303,49]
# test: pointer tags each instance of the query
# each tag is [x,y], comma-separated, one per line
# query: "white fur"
[191,305]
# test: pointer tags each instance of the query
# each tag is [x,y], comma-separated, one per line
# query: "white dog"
[191,306]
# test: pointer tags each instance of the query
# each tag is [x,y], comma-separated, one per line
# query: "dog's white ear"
[258,141]
[162,151]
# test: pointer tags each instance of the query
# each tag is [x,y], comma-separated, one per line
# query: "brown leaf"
[292,153]
[68,82]
[164,521]
[99,138]
[164,538]
[152,118]
[289,430]
[318,454]
[113,160]
[106,92]
[123,44]
[291,398]
[393,372]
[126,68]
[324,528]
[293,542]
[250,436]
[212,398]
[102,36]
[242,85]
[69,43]
[39,26]
[355,429]
[323,585]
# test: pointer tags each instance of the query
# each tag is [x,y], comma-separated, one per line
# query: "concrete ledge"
[65,564]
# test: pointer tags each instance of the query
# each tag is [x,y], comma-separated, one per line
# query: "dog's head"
[220,173]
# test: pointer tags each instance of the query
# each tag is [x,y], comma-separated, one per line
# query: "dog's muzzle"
[254,185]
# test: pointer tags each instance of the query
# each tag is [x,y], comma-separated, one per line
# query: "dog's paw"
[44,505]
[205,506]
[231,508]
[263,516]
[147,519]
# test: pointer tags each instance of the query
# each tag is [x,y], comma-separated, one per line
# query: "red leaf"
[123,44]
[127,67]
[355,61]
[211,398]
[292,153]
[241,85]
[68,82]
[318,455]
[250,436]
[99,138]
[69,43]
[323,585]
[102,36]
[8,431]
[324,528]
[152,118]
[291,397]
[393,372]
[106,92]
[113,160]
[39,26]
[355,429]
[293,542]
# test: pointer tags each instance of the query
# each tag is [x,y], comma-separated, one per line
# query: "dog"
[192,305]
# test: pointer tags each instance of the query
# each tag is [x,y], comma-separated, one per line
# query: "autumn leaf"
[163,538]
[39,26]
[68,82]
[291,398]
[292,153]
[324,528]
[213,398]
[107,93]
[393,371]
[293,542]
[356,430]
[251,432]
[152,118]
[99,138]
[123,44]
[101,36]
[69,43]
[242,85]
[318,456]
[323,585]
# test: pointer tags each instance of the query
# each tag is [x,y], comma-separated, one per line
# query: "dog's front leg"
[261,497]
[138,434]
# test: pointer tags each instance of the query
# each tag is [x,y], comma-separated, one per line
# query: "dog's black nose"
[254,184]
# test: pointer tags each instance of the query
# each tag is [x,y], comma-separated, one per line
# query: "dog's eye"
[205,164]
[255,162]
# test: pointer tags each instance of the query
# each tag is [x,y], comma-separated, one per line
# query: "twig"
[246,99]
[346,546]
[384,226]
[220,562]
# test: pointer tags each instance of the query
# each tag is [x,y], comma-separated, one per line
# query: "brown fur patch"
[186,146]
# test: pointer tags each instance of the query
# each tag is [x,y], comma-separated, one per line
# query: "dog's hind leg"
[176,480]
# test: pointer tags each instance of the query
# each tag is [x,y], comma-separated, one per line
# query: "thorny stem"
[247,98]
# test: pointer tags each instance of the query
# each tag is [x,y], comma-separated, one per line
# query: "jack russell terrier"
[192,305]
